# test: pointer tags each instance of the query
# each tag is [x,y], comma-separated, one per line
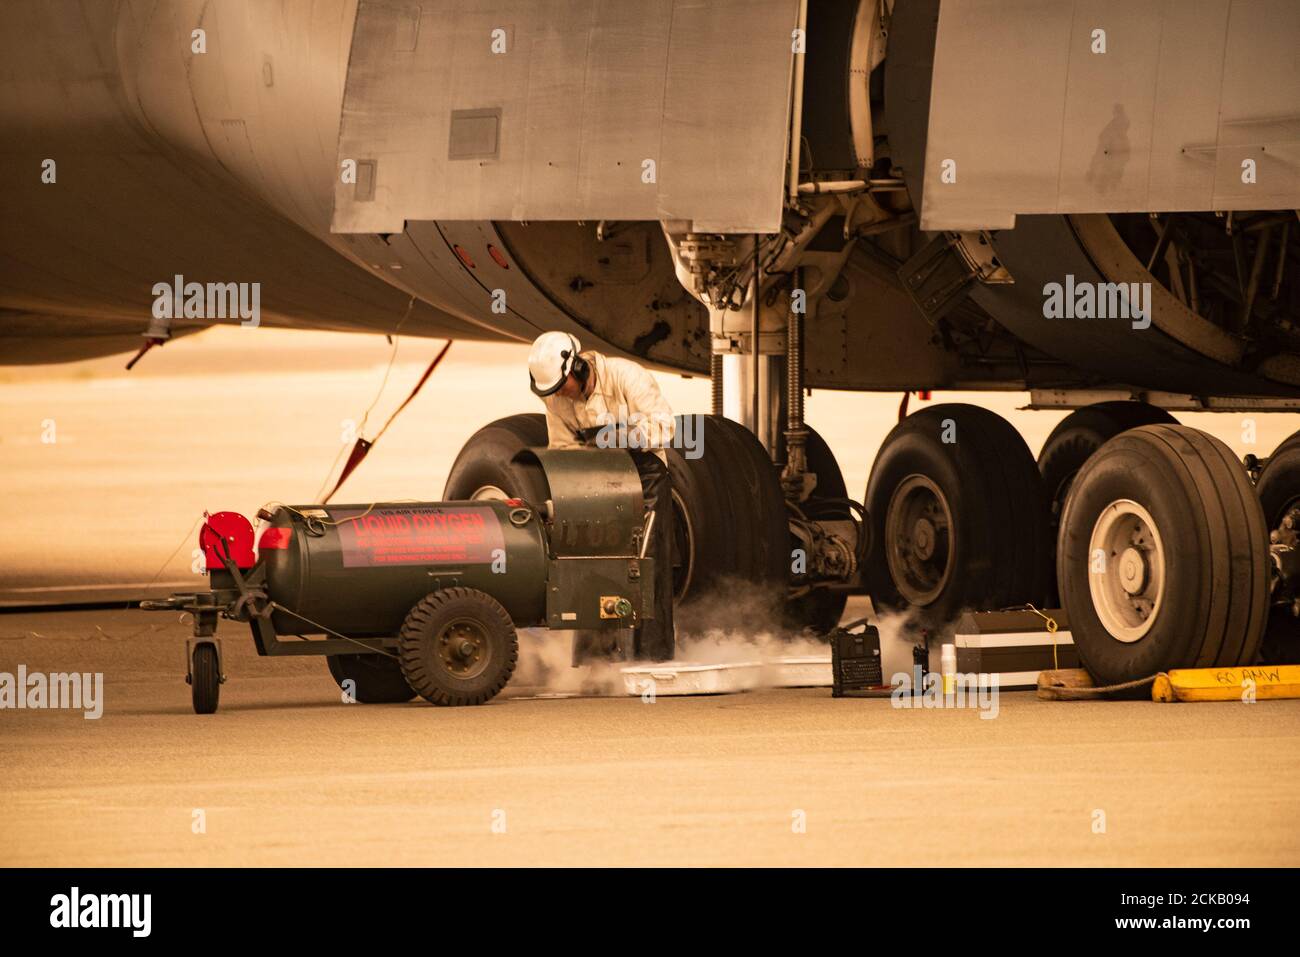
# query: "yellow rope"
[352,518]
[1051,630]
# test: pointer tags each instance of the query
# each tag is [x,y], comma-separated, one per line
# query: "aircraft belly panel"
[1111,106]
[560,123]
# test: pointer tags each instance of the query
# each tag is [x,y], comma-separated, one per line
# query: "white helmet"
[551,360]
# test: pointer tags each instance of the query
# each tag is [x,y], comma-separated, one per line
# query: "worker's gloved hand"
[615,435]
[619,434]
[589,436]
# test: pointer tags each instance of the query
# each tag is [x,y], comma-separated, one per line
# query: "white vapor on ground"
[898,638]
[740,623]
[546,667]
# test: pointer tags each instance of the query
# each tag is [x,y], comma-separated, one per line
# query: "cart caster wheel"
[205,679]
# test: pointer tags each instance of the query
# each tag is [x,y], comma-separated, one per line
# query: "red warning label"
[418,535]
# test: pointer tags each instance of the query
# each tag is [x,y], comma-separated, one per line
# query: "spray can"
[948,668]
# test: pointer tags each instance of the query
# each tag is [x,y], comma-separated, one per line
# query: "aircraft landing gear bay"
[1163,556]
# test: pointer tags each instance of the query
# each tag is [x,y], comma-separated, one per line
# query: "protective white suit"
[625,401]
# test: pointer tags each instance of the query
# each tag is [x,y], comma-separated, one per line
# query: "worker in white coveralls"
[602,401]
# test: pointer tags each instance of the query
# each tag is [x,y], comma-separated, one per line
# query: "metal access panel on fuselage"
[567,110]
[1109,106]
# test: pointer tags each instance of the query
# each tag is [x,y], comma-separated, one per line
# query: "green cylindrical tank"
[359,569]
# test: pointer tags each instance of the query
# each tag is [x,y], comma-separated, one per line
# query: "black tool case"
[855,658]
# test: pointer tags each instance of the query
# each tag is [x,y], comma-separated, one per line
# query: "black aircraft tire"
[820,610]
[730,516]
[1278,489]
[967,517]
[1074,440]
[485,467]
[1163,557]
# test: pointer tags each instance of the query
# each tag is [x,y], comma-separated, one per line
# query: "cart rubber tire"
[376,679]
[431,620]
[205,678]
[997,547]
[1209,551]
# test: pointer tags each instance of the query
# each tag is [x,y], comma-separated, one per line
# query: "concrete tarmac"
[287,774]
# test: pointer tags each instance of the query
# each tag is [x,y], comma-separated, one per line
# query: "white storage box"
[798,671]
[683,678]
[1014,645]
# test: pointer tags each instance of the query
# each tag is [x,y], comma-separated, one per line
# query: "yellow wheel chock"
[1228,684]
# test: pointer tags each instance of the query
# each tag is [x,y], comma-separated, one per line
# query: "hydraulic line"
[796,101]
[796,435]
[715,379]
